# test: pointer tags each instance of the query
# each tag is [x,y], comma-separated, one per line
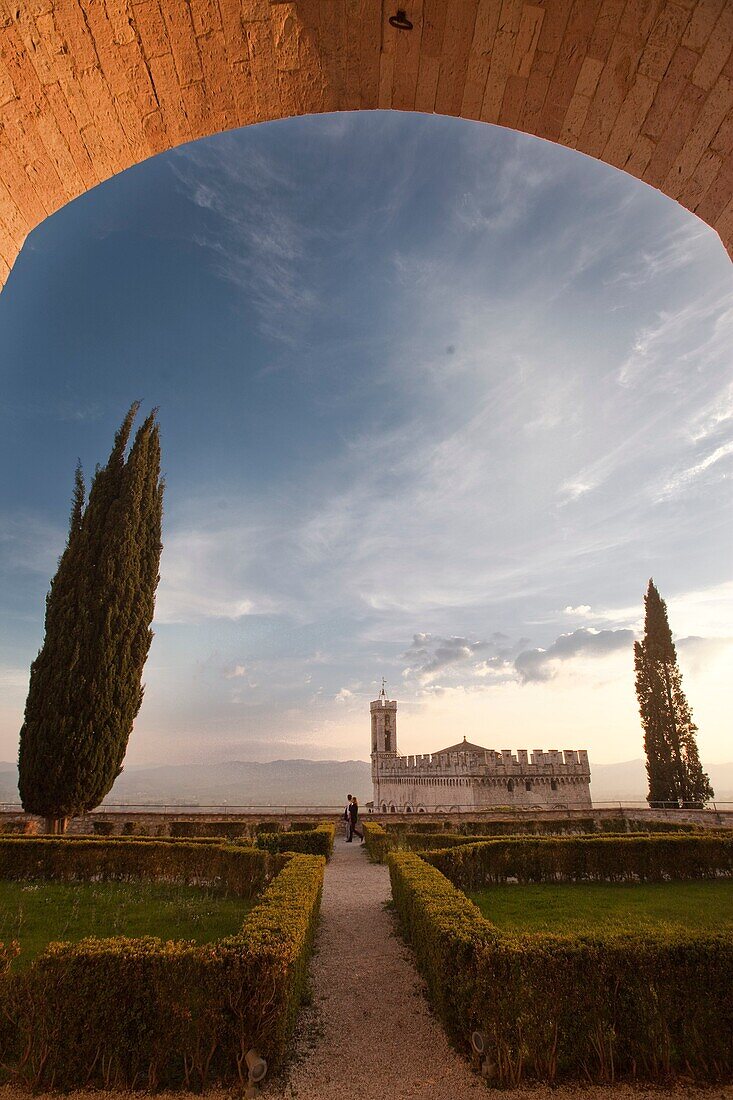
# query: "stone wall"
[88,88]
[159,823]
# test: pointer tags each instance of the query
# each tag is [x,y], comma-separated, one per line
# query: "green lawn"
[596,907]
[35,914]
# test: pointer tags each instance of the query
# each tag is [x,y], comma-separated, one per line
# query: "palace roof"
[462,746]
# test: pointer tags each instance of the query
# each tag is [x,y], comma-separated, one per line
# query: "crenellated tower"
[384,736]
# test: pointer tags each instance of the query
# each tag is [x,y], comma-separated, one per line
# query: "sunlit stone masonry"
[470,777]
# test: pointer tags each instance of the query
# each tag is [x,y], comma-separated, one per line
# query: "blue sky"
[436,399]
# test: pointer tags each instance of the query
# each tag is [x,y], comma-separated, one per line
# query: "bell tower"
[384,736]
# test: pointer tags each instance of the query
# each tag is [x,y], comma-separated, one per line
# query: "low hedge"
[236,869]
[533,828]
[377,841]
[414,825]
[425,842]
[586,859]
[141,1013]
[141,838]
[641,825]
[232,830]
[314,842]
[553,1007]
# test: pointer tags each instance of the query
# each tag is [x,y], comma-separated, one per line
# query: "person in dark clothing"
[354,819]
[347,819]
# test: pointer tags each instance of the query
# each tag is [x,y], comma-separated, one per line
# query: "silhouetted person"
[354,818]
[347,819]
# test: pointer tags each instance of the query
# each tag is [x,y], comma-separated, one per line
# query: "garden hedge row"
[554,1007]
[532,827]
[236,869]
[314,842]
[232,830]
[141,1013]
[377,841]
[586,859]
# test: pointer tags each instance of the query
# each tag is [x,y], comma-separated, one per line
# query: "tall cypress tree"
[85,687]
[672,762]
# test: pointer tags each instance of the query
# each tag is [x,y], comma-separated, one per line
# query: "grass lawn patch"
[37,913]
[577,908]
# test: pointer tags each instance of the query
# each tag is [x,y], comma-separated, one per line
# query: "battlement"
[503,764]
[382,704]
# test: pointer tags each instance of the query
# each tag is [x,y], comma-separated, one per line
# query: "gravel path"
[369,1033]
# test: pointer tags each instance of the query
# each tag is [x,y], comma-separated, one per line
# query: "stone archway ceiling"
[90,87]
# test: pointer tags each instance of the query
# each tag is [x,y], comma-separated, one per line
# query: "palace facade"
[470,777]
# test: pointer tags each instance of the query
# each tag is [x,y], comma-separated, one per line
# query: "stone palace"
[469,777]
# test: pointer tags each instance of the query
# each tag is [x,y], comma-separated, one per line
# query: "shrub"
[299,826]
[29,827]
[376,840]
[239,870]
[554,1007]
[268,827]
[586,859]
[558,827]
[417,826]
[128,1013]
[232,830]
[424,842]
[131,838]
[314,842]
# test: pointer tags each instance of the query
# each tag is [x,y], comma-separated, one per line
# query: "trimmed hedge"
[376,841]
[640,825]
[232,830]
[314,842]
[532,827]
[586,859]
[141,1013]
[239,870]
[422,842]
[554,1007]
[415,825]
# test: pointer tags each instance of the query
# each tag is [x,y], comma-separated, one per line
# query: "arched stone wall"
[90,87]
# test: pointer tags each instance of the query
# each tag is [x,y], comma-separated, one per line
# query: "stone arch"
[89,89]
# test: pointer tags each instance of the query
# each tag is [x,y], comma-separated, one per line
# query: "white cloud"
[684,478]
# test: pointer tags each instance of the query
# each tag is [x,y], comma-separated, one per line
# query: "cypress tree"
[85,686]
[672,762]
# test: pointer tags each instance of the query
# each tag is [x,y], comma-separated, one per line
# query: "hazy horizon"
[436,400]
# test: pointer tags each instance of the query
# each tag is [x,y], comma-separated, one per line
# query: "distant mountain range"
[317,783]
[235,783]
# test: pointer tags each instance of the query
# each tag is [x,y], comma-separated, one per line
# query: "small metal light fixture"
[256,1072]
[400,21]
[478,1042]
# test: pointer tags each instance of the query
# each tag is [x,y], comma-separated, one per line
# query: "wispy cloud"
[254,237]
[686,477]
[673,249]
